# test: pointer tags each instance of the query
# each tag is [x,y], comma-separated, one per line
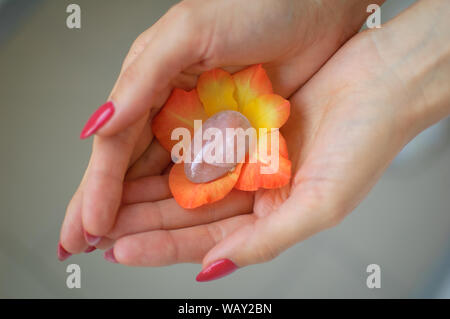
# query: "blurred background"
[51,80]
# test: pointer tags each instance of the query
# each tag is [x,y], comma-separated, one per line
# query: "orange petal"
[280,178]
[180,110]
[192,195]
[251,178]
[267,111]
[251,83]
[216,91]
[282,145]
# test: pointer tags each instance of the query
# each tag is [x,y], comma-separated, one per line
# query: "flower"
[248,91]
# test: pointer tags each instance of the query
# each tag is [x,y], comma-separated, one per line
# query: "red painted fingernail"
[91,239]
[90,249]
[216,270]
[109,256]
[98,119]
[62,253]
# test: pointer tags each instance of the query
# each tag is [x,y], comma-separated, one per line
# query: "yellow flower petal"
[267,111]
[216,90]
[251,83]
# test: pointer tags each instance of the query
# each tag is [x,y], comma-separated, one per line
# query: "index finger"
[147,81]
[102,191]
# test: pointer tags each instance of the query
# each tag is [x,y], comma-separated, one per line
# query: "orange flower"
[248,91]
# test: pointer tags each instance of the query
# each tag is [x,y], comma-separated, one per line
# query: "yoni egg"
[221,149]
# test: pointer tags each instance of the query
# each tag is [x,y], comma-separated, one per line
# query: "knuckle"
[140,40]
[267,252]
[333,218]
[138,45]
[211,211]
[182,10]
[129,76]
[215,233]
[172,249]
[196,25]
[266,249]
[135,50]
[185,15]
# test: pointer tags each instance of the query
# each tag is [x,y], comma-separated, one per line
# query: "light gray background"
[52,79]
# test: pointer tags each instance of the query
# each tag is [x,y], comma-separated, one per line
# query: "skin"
[347,123]
[197,34]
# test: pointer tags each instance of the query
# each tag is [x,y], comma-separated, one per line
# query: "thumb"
[146,82]
[267,237]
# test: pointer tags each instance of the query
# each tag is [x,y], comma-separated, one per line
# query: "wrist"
[415,50]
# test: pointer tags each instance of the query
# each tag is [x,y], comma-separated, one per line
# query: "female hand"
[292,38]
[347,124]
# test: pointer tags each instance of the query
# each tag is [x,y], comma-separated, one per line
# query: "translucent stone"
[204,167]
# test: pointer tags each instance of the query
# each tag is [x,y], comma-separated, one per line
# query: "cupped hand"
[344,129]
[292,38]
[346,125]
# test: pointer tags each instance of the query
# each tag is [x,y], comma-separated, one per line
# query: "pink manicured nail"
[98,119]
[90,249]
[62,253]
[109,256]
[216,270]
[91,239]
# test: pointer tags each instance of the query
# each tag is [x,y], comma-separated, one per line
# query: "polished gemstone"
[224,139]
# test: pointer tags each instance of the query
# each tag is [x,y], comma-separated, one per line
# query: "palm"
[340,133]
[338,141]
[133,151]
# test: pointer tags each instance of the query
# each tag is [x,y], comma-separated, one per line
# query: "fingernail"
[90,249]
[216,270]
[109,256]
[98,119]
[62,253]
[91,239]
